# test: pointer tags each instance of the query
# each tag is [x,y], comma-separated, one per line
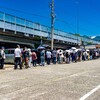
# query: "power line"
[87,30]
[23,12]
[69,25]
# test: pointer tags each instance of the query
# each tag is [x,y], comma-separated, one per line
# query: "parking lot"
[75,81]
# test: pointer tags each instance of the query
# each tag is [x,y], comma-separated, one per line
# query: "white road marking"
[38,94]
[54,80]
[89,93]
[4,86]
[78,74]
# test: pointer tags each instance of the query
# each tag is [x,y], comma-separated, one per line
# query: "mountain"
[86,36]
[97,38]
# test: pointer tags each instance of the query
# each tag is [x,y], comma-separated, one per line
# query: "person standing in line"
[34,58]
[42,56]
[2,58]
[25,57]
[30,58]
[61,57]
[48,54]
[67,55]
[79,55]
[38,57]
[17,55]
[54,56]
[91,53]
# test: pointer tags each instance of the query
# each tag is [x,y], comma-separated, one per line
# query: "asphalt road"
[75,81]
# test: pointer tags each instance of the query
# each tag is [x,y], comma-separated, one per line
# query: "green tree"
[77,34]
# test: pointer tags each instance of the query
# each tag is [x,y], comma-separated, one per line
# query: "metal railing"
[22,25]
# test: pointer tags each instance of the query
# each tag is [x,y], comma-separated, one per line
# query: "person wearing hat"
[2,58]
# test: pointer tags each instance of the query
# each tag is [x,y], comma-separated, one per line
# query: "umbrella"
[67,51]
[76,50]
[71,51]
[41,47]
[79,49]
[73,48]
[59,51]
[87,50]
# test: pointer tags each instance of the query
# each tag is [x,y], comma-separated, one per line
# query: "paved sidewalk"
[8,66]
[53,82]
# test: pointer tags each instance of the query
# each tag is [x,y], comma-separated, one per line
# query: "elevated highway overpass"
[15,30]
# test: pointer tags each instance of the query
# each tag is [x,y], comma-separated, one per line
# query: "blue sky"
[68,13]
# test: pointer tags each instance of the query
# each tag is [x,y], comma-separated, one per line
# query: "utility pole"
[77,4]
[52,23]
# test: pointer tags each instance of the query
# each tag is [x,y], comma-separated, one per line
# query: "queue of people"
[43,56]
[26,58]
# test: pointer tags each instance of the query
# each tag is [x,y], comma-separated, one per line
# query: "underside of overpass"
[9,39]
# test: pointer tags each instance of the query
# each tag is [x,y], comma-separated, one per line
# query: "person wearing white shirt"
[17,55]
[48,53]
[2,58]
